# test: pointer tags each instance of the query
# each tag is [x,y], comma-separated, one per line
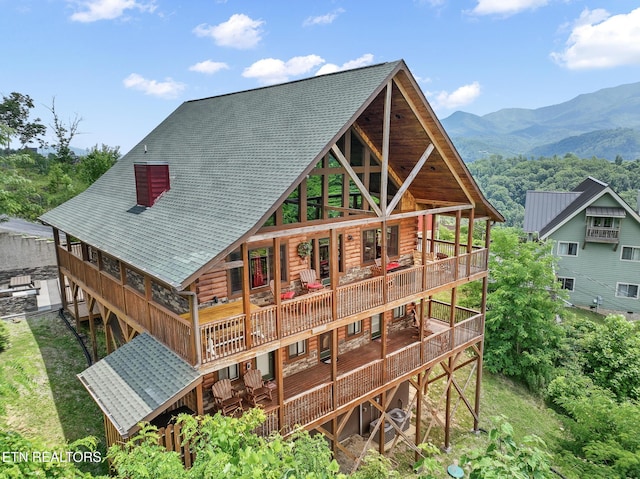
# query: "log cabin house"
[189,252]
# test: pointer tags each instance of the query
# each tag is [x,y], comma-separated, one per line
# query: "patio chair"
[256,389]
[225,397]
[310,281]
[284,295]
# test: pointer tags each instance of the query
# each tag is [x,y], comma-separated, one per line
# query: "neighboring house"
[596,237]
[175,248]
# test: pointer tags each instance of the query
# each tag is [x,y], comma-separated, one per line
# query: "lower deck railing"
[318,402]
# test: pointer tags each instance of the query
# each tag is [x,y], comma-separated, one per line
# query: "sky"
[121,66]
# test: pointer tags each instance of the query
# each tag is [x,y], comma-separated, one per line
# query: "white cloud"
[209,67]
[164,89]
[599,40]
[240,31]
[460,97]
[506,7]
[323,19]
[363,61]
[271,70]
[94,10]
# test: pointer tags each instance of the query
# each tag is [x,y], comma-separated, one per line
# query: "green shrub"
[4,336]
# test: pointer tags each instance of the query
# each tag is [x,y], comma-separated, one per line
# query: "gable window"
[630,253]
[566,248]
[232,372]
[627,290]
[261,268]
[372,243]
[567,283]
[298,349]
[354,328]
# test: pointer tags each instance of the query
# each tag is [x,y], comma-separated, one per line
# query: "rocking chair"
[256,389]
[225,397]
[310,281]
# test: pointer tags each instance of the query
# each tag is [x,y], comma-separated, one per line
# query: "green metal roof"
[137,380]
[231,158]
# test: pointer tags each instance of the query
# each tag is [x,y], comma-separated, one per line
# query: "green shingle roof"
[231,158]
[137,379]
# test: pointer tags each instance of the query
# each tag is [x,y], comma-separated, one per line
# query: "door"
[325,346]
[266,364]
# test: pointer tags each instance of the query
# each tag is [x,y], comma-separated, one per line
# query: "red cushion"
[315,285]
[287,295]
[392,265]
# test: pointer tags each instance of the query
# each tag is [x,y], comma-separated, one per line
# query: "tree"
[64,135]
[611,356]
[97,162]
[522,336]
[14,114]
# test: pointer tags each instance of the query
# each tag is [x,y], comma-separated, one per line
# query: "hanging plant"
[304,249]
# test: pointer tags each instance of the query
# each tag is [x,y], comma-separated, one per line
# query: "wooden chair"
[310,281]
[256,389]
[376,270]
[284,295]
[225,397]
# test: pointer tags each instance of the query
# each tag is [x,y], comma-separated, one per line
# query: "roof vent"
[152,179]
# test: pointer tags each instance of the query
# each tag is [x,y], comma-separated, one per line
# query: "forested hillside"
[604,124]
[505,181]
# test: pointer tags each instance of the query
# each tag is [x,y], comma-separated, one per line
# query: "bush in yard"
[4,336]
[503,457]
[611,356]
[13,466]
[601,429]
[226,448]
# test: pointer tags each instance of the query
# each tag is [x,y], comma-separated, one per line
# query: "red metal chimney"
[152,179]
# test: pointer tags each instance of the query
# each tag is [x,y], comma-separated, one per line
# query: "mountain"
[604,124]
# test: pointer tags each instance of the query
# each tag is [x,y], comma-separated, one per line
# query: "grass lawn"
[42,397]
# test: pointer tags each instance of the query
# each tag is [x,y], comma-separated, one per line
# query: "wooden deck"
[311,395]
[223,335]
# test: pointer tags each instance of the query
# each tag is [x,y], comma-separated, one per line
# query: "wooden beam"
[424,125]
[352,174]
[350,223]
[405,186]
[386,135]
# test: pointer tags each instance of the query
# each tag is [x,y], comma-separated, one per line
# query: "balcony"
[311,395]
[602,235]
[226,336]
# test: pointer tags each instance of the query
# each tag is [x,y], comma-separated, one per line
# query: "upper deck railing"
[226,336]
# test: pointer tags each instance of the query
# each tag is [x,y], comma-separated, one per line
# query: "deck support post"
[92,328]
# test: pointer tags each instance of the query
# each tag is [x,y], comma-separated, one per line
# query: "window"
[376,329]
[232,372]
[567,249]
[567,283]
[372,243]
[354,328]
[297,349]
[626,290]
[261,269]
[630,253]
[399,312]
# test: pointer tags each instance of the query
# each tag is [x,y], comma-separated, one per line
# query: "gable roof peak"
[299,80]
